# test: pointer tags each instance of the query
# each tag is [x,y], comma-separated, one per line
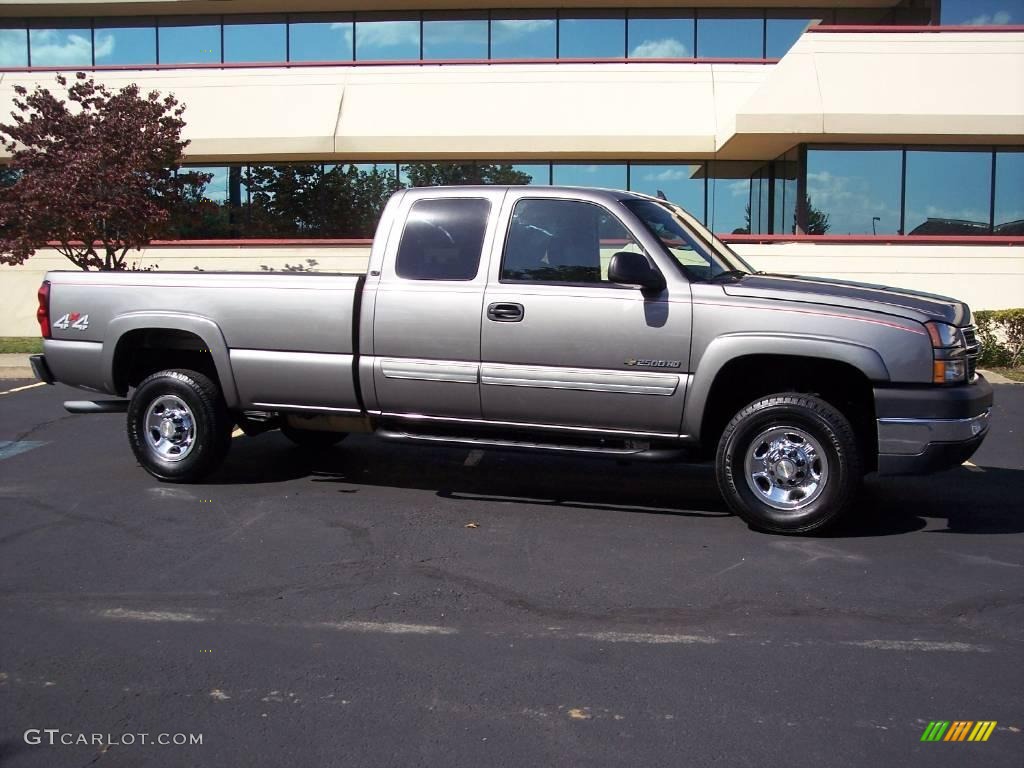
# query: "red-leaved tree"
[93,175]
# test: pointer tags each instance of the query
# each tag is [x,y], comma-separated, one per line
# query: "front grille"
[973,350]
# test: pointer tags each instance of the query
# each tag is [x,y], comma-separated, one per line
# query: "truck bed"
[270,331]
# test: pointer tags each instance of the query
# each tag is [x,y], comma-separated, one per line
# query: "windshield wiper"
[732,274]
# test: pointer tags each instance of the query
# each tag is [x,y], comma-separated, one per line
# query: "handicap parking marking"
[9,448]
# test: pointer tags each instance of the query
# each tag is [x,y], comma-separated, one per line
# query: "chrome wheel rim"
[786,468]
[170,428]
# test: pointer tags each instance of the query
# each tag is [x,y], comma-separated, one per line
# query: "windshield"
[701,255]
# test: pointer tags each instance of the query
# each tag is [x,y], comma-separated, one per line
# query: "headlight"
[949,371]
[949,351]
[943,335]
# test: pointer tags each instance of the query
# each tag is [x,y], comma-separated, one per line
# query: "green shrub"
[1001,332]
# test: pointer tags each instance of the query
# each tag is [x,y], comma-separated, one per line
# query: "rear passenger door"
[426,324]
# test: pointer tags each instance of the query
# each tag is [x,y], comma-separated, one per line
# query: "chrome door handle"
[505,312]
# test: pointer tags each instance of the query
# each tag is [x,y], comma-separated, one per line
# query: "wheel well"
[745,379]
[145,351]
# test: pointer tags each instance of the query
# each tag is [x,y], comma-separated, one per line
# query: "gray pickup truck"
[560,319]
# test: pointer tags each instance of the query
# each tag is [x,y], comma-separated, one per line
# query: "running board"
[642,451]
[96,406]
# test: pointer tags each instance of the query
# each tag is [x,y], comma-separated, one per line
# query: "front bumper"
[41,369]
[928,429]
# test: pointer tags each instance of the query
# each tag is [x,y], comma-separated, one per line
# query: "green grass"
[1017,374]
[25,345]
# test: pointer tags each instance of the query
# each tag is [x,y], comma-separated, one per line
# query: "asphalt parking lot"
[382,605]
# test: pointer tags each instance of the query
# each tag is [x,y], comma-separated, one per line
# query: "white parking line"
[22,389]
[123,613]
[388,628]
[972,467]
[646,638]
[238,432]
[916,645]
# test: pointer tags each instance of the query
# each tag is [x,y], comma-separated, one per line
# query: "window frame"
[502,280]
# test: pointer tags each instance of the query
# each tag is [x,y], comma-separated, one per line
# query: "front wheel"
[789,463]
[178,426]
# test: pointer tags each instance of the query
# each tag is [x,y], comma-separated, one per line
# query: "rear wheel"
[789,463]
[178,426]
[312,438]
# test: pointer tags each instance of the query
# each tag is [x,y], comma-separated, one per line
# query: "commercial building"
[873,140]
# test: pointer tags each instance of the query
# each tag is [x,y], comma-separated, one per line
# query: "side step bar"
[626,452]
[96,406]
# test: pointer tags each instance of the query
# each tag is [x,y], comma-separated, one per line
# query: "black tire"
[781,424]
[312,439]
[210,433]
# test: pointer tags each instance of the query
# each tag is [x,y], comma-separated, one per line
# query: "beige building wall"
[987,277]
[895,86]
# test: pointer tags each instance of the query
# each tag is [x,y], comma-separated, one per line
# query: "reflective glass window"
[188,41]
[729,196]
[730,38]
[443,239]
[591,38]
[984,13]
[1009,207]
[785,194]
[59,45]
[445,37]
[387,39]
[660,37]
[678,183]
[948,193]
[562,241]
[523,37]
[782,33]
[604,175]
[125,41]
[13,47]
[320,38]
[259,38]
[854,191]
[533,173]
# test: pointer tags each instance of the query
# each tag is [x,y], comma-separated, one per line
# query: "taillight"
[43,313]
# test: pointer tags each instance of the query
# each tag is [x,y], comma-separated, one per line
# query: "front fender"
[203,327]
[733,346]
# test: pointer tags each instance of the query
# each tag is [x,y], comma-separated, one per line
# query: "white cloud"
[12,48]
[389,34]
[457,32]
[668,48]
[672,174]
[345,29]
[521,27]
[851,204]
[104,45]
[998,18]
[51,48]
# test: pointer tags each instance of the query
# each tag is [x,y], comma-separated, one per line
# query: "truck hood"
[901,302]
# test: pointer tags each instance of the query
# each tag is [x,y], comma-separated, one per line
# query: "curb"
[16,373]
[996,378]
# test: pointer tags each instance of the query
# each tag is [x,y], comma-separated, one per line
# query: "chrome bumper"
[911,437]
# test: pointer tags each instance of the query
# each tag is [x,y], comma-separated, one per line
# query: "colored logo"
[958,730]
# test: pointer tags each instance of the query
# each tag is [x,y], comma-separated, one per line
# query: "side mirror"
[632,268]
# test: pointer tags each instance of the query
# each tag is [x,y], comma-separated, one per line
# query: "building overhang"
[885,87]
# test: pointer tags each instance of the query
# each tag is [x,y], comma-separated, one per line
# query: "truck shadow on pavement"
[978,500]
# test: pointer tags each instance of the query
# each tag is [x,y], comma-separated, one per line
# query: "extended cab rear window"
[443,239]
